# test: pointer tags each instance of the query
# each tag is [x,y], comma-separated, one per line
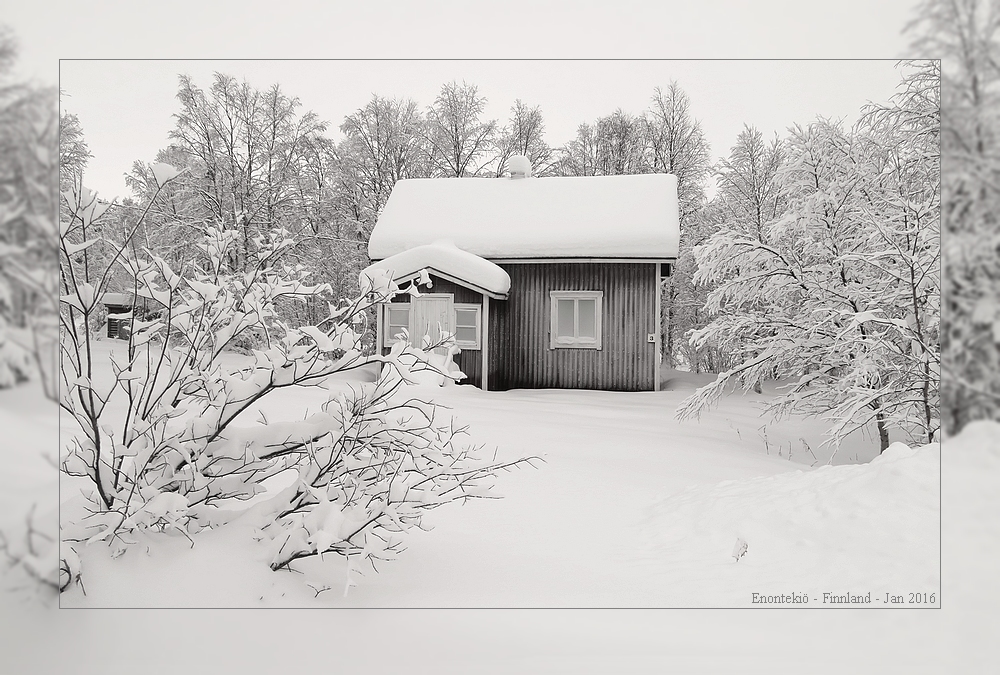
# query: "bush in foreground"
[174,434]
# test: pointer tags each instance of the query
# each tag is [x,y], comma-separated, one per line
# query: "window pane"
[465,334]
[399,320]
[588,318]
[465,317]
[399,317]
[564,320]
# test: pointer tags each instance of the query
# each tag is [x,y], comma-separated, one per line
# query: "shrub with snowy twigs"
[183,435]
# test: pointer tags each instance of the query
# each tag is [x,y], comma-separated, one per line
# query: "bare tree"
[243,148]
[458,140]
[579,156]
[613,145]
[73,151]
[748,189]
[677,145]
[254,162]
[382,144]
[523,135]
[621,144]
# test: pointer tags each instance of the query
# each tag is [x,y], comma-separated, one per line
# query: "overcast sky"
[125,106]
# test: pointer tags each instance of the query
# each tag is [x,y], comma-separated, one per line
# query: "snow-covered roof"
[125,299]
[446,260]
[509,218]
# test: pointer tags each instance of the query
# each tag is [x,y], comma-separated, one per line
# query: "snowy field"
[29,448]
[630,509]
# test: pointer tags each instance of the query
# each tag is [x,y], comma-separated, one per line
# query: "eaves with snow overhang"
[445,260]
[633,217]
[118,299]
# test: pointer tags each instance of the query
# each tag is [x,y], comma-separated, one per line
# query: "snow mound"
[444,259]
[979,439]
[425,368]
[971,536]
[519,166]
[873,527]
[682,380]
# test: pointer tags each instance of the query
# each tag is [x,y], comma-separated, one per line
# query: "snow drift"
[870,528]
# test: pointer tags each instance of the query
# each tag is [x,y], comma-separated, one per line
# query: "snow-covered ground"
[29,448]
[630,509]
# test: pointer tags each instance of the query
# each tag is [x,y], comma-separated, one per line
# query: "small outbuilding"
[545,282]
[123,307]
[119,309]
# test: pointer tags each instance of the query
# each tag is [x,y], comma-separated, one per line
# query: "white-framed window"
[576,319]
[466,319]
[397,319]
[467,325]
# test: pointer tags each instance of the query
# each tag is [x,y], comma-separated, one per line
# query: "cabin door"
[429,315]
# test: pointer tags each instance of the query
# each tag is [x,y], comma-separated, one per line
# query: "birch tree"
[613,145]
[903,216]
[243,148]
[749,192]
[839,290]
[459,140]
[579,156]
[524,135]
[748,197]
[621,144]
[382,144]
[253,161]
[677,145]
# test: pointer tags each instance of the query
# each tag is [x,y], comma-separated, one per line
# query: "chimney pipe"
[519,166]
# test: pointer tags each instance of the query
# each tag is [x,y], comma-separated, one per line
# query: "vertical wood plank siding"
[468,361]
[519,328]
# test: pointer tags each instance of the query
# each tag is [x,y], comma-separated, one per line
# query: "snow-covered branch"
[839,287]
[186,443]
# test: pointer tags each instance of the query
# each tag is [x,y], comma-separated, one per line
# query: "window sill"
[577,345]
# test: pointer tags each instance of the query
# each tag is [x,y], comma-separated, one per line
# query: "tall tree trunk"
[883,431]
[668,316]
[925,391]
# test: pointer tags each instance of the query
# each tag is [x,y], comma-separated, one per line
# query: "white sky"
[125,107]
